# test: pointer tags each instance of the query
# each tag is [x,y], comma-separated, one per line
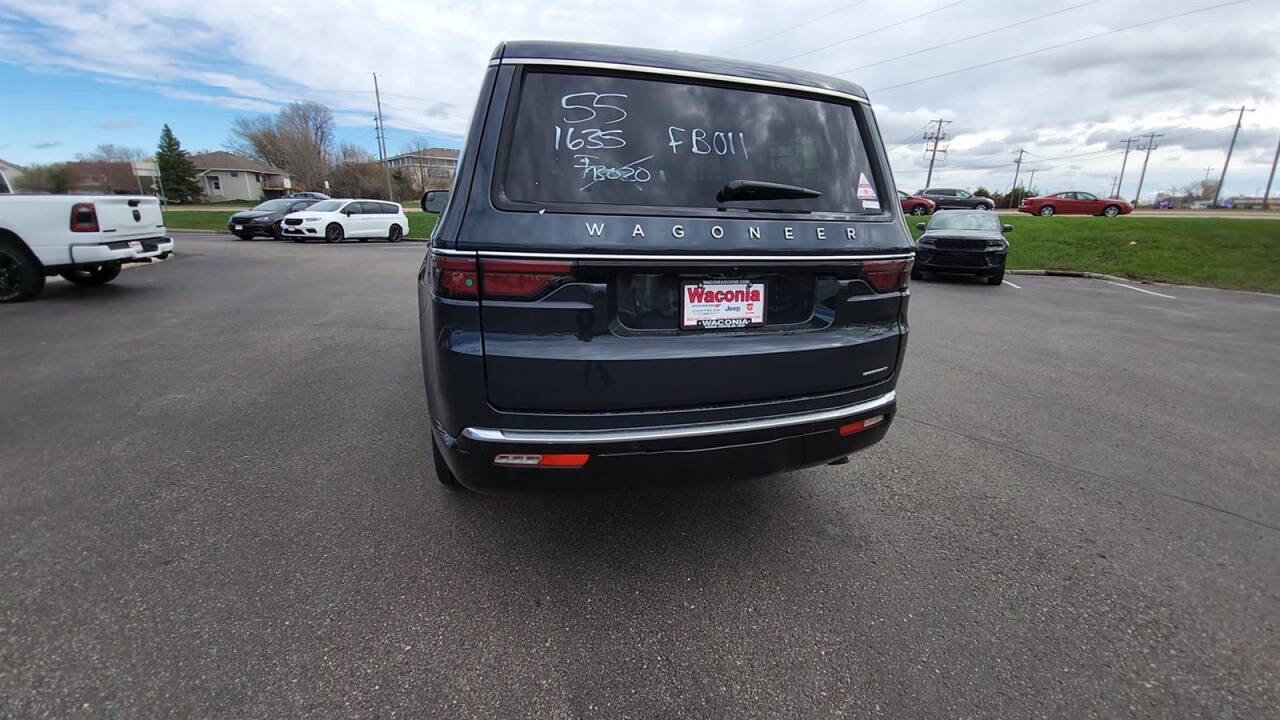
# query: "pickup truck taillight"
[84,218]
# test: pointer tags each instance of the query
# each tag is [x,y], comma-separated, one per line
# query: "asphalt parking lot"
[217,500]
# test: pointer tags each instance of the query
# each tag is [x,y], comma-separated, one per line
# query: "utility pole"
[1127,143]
[1017,167]
[1267,195]
[382,139]
[1221,178]
[1031,184]
[934,138]
[1151,145]
[1112,192]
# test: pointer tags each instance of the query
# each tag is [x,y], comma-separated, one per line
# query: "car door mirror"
[1007,228]
[920,226]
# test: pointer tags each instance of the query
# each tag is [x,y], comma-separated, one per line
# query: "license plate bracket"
[722,304]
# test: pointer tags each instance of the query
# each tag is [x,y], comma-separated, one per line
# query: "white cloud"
[1078,100]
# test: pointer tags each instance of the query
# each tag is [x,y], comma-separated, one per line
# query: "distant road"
[1236,214]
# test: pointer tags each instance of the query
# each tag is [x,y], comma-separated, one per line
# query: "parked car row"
[1074,202]
[331,220]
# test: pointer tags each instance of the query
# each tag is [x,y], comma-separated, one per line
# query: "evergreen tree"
[177,172]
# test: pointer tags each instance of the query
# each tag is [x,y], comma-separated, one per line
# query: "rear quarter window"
[626,141]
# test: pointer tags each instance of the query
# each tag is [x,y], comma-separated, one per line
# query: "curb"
[1081,273]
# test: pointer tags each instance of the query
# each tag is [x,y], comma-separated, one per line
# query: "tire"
[917,210]
[21,277]
[1111,211]
[443,473]
[395,234]
[1045,211]
[982,206]
[333,233]
[91,275]
[276,232]
[995,279]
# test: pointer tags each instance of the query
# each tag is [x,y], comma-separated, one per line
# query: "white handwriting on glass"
[701,142]
[582,107]
[631,172]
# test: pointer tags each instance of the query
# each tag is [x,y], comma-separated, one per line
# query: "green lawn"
[1214,252]
[420,224]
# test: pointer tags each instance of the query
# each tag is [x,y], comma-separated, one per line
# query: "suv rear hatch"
[663,245]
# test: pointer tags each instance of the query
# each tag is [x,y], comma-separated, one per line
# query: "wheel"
[917,209]
[395,234]
[982,206]
[90,275]
[276,232]
[1111,211]
[443,473]
[995,279]
[21,277]
[1046,211]
[333,233]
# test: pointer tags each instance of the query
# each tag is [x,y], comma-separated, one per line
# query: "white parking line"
[1006,282]
[1149,292]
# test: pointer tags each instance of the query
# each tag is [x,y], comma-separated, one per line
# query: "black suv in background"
[964,242]
[957,199]
[661,269]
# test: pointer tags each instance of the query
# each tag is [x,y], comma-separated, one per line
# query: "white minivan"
[337,220]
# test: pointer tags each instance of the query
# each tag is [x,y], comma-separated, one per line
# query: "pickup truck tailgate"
[128,217]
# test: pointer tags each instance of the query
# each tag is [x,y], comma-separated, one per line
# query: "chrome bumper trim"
[588,437]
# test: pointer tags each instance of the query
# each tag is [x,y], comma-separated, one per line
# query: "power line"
[795,27]
[966,38]
[870,32]
[1059,45]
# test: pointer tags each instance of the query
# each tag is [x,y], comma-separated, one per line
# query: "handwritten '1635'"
[583,107]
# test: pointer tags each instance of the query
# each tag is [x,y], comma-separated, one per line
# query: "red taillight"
[858,426]
[564,460]
[455,277]
[886,275]
[84,218]
[521,278]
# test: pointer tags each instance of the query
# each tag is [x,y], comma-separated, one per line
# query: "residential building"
[432,168]
[226,176]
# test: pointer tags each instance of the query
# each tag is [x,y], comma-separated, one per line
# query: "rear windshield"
[581,139]
[976,220]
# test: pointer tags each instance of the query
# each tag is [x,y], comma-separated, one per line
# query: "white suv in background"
[337,220]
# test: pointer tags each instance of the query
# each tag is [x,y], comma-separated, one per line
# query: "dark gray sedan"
[265,218]
[957,199]
[965,242]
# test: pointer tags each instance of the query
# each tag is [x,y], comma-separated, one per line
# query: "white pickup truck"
[83,238]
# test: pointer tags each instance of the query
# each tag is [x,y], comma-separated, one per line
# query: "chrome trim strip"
[642,257]
[587,437]
[738,79]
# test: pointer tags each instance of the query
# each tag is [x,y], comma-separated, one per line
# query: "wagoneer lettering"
[588,325]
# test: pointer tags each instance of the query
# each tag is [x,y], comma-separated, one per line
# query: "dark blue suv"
[661,269]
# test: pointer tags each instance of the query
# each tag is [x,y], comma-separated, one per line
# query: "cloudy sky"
[1065,80]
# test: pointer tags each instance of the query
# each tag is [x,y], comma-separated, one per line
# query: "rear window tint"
[582,139]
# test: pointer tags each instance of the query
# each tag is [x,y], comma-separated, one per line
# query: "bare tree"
[298,139]
[356,174]
[111,153]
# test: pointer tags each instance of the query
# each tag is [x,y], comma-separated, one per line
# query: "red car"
[1074,203]
[915,205]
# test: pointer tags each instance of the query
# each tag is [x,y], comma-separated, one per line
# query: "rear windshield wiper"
[760,190]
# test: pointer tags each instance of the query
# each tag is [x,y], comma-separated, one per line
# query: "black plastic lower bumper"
[959,262]
[662,462]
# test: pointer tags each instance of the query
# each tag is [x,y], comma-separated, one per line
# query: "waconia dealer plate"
[721,304]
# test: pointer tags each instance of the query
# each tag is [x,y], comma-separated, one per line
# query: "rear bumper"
[668,456]
[121,250]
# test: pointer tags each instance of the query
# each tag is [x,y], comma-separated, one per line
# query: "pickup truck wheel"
[89,275]
[21,277]
[333,233]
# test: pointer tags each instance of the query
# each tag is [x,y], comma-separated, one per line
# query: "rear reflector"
[534,460]
[859,425]
[887,275]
